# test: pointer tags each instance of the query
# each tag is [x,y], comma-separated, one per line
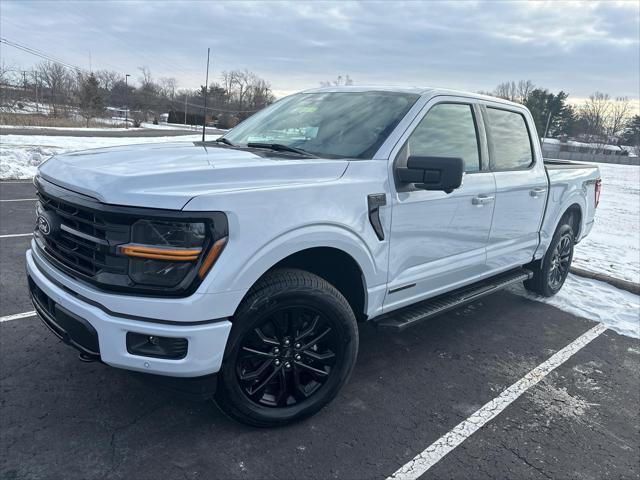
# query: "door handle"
[535,193]
[482,199]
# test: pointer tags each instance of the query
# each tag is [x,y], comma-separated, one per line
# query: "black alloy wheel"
[292,346]
[560,261]
[287,357]
[550,273]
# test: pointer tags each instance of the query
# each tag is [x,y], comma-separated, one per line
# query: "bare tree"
[246,91]
[594,114]
[506,90]
[346,80]
[514,92]
[168,87]
[618,118]
[56,80]
[108,78]
[7,78]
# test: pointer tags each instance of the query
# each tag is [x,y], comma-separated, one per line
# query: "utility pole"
[126,101]
[35,73]
[185,108]
[24,80]
[206,88]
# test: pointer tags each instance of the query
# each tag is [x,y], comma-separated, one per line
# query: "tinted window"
[447,130]
[327,124]
[510,140]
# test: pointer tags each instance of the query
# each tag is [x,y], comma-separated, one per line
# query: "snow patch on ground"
[17,163]
[613,246]
[618,309]
[557,402]
[82,129]
[20,155]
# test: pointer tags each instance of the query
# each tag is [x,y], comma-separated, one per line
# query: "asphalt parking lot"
[61,418]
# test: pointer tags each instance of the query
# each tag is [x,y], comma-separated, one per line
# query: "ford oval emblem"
[43,225]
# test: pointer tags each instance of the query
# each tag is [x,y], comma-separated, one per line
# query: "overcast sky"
[577,47]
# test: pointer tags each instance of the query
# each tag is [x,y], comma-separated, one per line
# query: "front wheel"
[292,346]
[550,273]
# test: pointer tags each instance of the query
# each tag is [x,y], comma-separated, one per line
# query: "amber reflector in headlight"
[212,256]
[159,253]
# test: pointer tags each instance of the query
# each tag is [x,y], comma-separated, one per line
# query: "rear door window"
[510,141]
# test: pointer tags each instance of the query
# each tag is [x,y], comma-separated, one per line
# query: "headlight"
[164,253]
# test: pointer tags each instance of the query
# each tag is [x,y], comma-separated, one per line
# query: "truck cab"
[247,261]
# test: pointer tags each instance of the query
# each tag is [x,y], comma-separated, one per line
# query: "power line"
[40,54]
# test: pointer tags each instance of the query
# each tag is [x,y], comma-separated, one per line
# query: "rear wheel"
[550,273]
[292,346]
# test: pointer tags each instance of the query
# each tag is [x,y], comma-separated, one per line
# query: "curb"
[631,287]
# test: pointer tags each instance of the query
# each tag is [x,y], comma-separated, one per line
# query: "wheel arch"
[338,268]
[574,215]
[333,253]
[574,205]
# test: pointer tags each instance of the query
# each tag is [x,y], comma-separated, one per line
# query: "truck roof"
[431,91]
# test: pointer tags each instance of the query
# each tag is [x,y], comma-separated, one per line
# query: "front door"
[438,240]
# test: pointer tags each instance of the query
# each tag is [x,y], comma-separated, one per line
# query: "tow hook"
[84,357]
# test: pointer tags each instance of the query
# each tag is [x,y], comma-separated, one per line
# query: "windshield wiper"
[279,147]
[225,141]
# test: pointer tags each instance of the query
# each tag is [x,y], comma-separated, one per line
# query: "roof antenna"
[206,88]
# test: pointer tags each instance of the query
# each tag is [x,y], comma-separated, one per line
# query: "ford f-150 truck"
[247,262]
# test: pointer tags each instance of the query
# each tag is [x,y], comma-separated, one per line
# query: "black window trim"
[489,133]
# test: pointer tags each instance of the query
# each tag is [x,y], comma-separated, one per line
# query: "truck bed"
[558,164]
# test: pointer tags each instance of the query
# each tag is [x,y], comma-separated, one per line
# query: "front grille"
[82,238]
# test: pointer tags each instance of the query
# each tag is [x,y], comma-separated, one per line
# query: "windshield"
[329,125]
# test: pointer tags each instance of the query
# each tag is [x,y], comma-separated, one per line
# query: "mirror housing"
[433,173]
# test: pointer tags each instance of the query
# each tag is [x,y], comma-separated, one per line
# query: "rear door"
[438,240]
[521,187]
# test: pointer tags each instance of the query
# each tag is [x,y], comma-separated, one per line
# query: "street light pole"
[126,101]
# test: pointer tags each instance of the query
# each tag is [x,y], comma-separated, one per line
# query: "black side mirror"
[433,173]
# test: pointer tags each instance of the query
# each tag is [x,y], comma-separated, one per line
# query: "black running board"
[408,316]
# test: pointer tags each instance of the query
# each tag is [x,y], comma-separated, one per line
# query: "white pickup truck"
[246,263]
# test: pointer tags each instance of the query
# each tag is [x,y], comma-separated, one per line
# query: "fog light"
[158,347]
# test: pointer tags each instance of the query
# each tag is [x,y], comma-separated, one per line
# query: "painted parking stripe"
[16,235]
[19,200]
[17,316]
[441,447]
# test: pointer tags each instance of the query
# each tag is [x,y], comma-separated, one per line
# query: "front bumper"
[100,333]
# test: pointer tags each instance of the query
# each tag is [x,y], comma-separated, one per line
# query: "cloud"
[579,47]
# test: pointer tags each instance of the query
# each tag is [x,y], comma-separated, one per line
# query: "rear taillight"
[598,190]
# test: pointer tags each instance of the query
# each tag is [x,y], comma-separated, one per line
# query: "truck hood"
[168,175]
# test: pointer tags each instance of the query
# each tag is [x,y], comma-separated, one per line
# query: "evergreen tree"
[631,135]
[91,101]
[546,106]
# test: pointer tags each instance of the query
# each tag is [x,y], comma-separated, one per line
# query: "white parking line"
[438,449]
[17,316]
[19,200]
[16,235]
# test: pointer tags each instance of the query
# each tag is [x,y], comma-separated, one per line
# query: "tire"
[550,273]
[293,345]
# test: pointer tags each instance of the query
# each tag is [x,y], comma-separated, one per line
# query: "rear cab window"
[509,140]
